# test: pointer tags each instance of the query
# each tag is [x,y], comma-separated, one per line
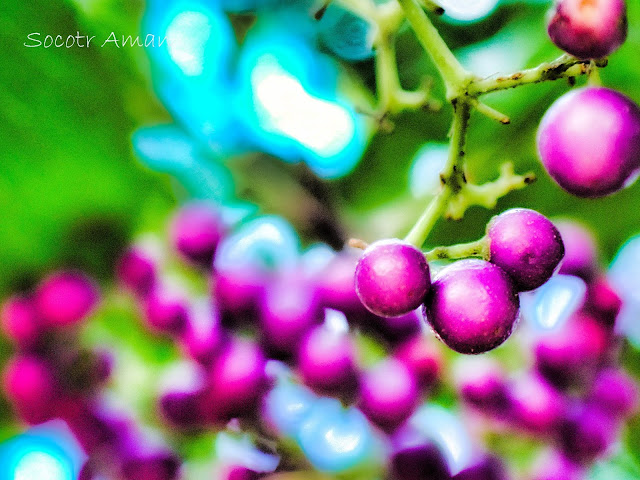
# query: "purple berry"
[422,358]
[490,467]
[336,285]
[526,245]
[166,311]
[395,330]
[483,386]
[473,306]
[580,251]
[616,393]
[66,298]
[289,308]
[19,322]
[389,394]
[203,335]
[30,386]
[588,29]
[327,362]
[586,433]
[237,380]
[196,231]
[570,357]
[603,302]
[589,141]
[535,406]
[237,292]
[392,278]
[136,270]
[152,465]
[413,457]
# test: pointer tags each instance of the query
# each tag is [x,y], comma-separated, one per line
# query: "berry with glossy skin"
[327,362]
[389,394]
[237,380]
[588,29]
[413,457]
[472,306]
[19,322]
[526,245]
[136,270]
[580,251]
[589,141]
[65,298]
[196,231]
[392,278]
[30,385]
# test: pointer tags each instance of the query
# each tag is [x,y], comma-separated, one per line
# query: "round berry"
[19,322]
[616,393]
[327,362]
[588,29]
[30,386]
[526,245]
[413,457]
[196,232]
[166,311]
[483,386]
[535,405]
[389,394]
[589,141]
[392,278]
[237,380]
[586,433]
[422,358]
[136,270]
[66,298]
[289,308]
[472,306]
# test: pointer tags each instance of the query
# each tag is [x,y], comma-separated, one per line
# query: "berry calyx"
[472,306]
[392,278]
[589,141]
[526,245]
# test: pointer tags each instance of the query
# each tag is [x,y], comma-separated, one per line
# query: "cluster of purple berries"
[472,305]
[573,397]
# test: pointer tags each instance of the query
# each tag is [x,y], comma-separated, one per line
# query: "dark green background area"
[72,193]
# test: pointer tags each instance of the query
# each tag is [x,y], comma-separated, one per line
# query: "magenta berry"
[289,308]
[30,385]
[586,433]
[203,335]
[422,358]
[395,330]
[151,466]
[535,405]
[136,270]
[526,245]
[237,380]
[483,386]
[603,302]
[196,231]
[473,306]
[584,158]
[414,457]
[392,278]
[616,393]
[580,251]
[389,394]
[588,29]
[66,298]
[166,312]
[327,362]
[19,322]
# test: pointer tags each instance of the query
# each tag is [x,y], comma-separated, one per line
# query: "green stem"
[453,73]
[564,67]
[451,177]
[479,248]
